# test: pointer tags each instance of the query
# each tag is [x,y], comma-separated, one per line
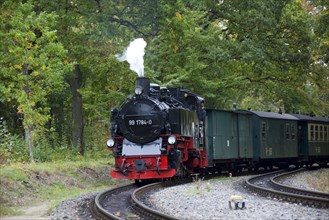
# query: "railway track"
[269,185]
[113,203]
[127,202]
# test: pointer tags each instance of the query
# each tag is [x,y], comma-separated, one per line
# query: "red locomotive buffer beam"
[142,167]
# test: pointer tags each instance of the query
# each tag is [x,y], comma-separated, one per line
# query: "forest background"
[59,77]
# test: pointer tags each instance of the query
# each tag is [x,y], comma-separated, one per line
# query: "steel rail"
[288,193]
[147,211]
[135,201]
[99,209]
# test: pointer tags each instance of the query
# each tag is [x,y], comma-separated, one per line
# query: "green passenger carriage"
[250,139]
[229,136]
[274,138]
[313,135]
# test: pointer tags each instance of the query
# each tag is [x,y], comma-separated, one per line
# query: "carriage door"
[245,137]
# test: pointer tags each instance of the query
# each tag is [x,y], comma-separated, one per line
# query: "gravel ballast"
[209,200]
[75,208]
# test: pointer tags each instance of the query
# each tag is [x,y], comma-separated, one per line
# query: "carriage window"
[321,133]
[287,131]
[263,130]
[316,132]
[311,136]
[325,133]
[293,132]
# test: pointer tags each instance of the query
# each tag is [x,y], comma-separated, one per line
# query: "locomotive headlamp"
[138,90]
[110,143]
[172,140]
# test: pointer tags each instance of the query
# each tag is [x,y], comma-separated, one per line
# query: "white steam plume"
[134,55]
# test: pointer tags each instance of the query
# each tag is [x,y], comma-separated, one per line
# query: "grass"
[221,178]
[199,186]
[4,210]
[26,184]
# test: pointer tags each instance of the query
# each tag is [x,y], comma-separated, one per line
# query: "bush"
[12,146]
[49,146]
[95,142]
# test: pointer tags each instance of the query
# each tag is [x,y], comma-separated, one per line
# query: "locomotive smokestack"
[144,82]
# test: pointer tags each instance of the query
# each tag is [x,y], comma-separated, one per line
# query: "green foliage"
[45,151]
[185,51]
[50,147]
[240,51]
[33,63]
[9,211]
[94,141]
[318,86]
[30,42]
[13,174]
[106,88]
[12,146]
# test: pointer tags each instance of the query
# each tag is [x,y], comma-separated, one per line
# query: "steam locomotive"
[161,133]
[158,133]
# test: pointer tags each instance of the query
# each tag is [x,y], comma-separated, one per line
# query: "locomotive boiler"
[158,133]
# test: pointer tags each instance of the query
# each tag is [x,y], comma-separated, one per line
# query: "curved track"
[127,202]
[147,211]
[113,203]
[269,185]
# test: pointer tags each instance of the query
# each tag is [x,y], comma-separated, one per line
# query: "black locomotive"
[158,132]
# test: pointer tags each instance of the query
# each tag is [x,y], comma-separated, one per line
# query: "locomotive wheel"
[182,172]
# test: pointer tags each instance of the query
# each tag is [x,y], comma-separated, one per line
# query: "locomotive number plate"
[140,122]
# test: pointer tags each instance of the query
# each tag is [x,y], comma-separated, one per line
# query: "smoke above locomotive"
[134,55]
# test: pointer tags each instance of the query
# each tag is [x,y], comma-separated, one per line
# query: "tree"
[318,84]
[32,64]
[76,30]
[184,51]
[238,51]
[276,42]
[93,32]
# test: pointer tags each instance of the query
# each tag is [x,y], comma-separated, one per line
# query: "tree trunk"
[29,141]
[27,126]
[78,125]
